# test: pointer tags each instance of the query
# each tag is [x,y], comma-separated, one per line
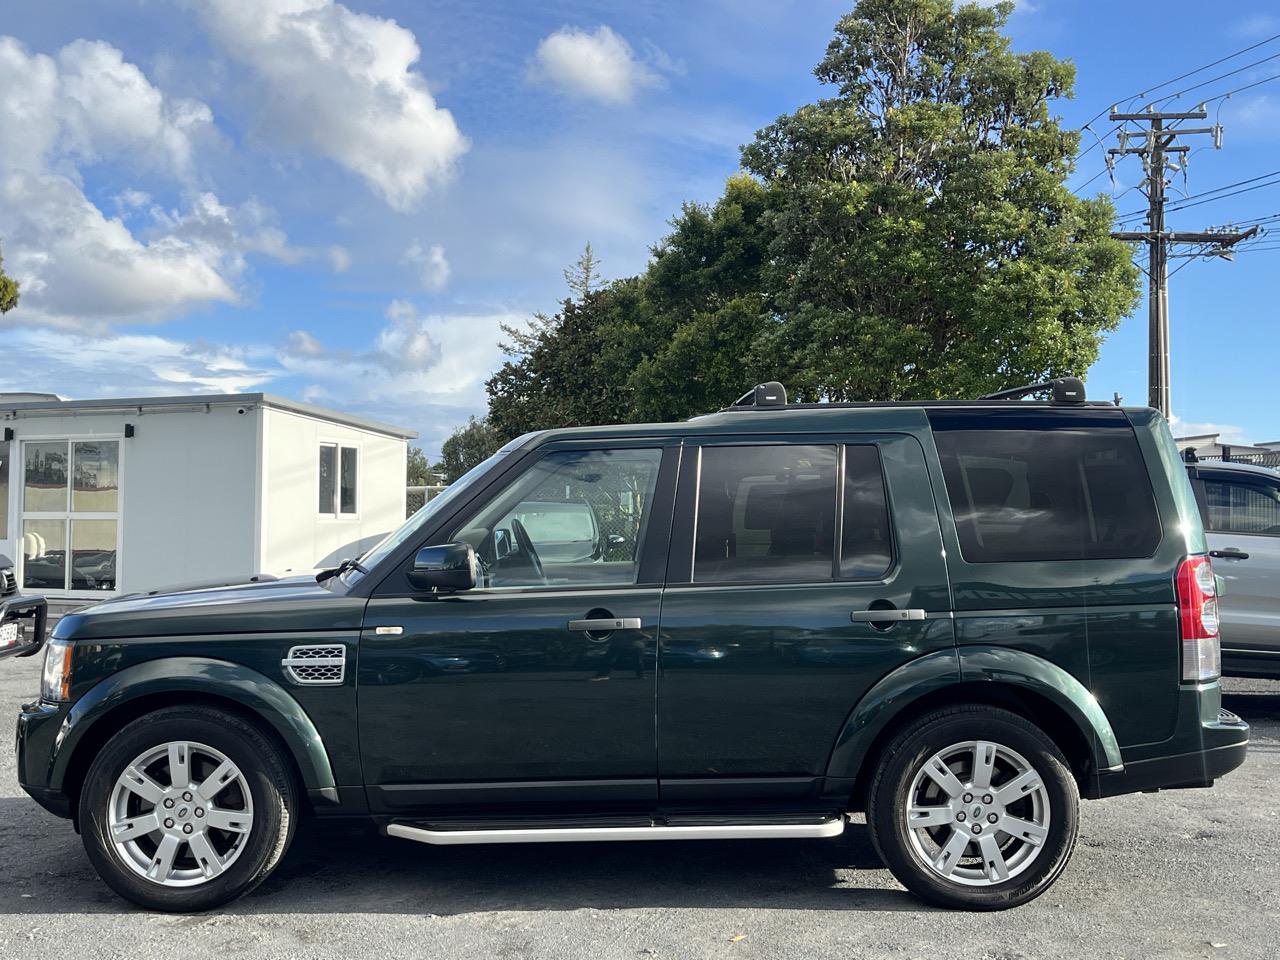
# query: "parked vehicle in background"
[1240,507]
[8,579]
[958,617]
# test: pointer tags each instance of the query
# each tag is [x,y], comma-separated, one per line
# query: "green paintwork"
[232,681]
[730,694]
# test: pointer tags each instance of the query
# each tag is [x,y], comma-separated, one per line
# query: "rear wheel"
[187,808]
[974,807]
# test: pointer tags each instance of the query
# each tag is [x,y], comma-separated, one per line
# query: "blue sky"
[344,202]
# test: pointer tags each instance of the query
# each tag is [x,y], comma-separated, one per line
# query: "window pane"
[766,513]
[4,490]
[44,477]
[866,540]
[93,555]
[44,554]
[1242,507]
[95,486]
[348,486]
[583,512]
[1048,493]
[328,478]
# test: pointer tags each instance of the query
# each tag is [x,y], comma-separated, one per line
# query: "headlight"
[55,681]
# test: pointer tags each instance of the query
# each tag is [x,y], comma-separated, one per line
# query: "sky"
[343,203]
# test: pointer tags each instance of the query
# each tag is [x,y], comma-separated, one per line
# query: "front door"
[537,685]
[792,557]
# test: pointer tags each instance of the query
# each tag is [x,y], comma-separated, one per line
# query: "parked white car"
[1240,506]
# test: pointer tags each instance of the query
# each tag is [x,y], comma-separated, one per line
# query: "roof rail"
[1061,390]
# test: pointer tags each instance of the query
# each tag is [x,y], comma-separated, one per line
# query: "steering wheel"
[525,543]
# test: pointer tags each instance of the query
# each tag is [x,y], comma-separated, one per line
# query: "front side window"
[339,468]
[574,518]
[1048,492]
[1241,507]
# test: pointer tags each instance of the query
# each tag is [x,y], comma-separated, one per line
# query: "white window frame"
[338,446]
[22,515]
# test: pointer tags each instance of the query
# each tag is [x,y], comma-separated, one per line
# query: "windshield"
[429,509]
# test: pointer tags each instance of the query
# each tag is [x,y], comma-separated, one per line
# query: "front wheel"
[187,808]
[974,807]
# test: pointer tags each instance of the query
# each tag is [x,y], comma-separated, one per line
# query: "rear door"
[793,562]
[1242,525]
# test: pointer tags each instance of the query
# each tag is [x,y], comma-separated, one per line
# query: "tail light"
[1198,619]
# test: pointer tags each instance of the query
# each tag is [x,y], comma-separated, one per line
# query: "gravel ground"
[1190,873]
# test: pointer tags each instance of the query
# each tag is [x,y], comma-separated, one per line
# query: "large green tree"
[8,290]
[911,236]
[924,241]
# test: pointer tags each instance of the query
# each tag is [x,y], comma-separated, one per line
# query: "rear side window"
[1048,490]
[1242,507]
[777,513]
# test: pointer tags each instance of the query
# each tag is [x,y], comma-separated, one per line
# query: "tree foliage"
[468,445]
[419,471]
[8,290]
[909,237]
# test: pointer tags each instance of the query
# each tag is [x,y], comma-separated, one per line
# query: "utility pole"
[1157,142]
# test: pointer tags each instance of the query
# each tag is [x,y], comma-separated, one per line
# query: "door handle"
[1229,553]
[604,624]
[887,616]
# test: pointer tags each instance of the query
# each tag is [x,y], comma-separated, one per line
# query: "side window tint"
[765,513]
[1242,507]
[866,539]
[574,518]
[1048,493]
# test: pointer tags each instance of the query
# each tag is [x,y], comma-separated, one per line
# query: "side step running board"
[832,827]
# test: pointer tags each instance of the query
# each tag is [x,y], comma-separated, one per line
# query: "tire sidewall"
[890,795]
[240,743]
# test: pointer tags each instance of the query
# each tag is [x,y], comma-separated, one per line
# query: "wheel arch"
[1020,682]
[182,681]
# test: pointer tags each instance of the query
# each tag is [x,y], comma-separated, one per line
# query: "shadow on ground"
[335,869]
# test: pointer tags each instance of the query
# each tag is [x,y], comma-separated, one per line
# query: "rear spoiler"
[31,615]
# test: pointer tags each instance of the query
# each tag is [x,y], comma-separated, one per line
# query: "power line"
[1181,204]
[1223,76]
[1189,73]
[1247,86]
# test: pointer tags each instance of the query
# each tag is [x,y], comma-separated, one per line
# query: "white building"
[100,497]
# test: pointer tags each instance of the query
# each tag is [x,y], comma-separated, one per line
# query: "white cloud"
[1257,25]
[76,264]
[1227,433]
[339,259]
[431,262]
[597,65]
[341,83]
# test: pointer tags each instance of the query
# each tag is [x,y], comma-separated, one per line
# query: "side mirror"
[502,547]
[450,567]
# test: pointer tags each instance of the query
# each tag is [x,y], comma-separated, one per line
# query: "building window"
[339,469]
[70,514]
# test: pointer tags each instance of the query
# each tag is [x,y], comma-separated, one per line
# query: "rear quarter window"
[1032,488]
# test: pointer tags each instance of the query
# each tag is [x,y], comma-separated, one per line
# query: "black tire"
[270,784]
[907,754]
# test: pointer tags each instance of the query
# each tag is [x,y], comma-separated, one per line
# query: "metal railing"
[416,497]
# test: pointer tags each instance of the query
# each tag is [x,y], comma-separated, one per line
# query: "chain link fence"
[417,497]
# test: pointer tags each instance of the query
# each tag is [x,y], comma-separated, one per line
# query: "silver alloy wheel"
[977,813]
[180,814]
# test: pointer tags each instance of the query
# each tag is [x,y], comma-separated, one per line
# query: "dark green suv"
[957,618]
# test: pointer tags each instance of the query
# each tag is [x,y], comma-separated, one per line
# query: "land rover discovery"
[957,618]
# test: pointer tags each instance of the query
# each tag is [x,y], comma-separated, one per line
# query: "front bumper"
[37,744]
[1224,742]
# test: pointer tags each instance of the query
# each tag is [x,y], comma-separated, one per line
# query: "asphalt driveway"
[1191,873]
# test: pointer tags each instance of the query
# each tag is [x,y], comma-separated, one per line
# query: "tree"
[468,445]
[420,471]
[8,290]
[924,241]
[910,237]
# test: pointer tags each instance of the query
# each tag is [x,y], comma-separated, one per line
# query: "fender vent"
[316,666]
